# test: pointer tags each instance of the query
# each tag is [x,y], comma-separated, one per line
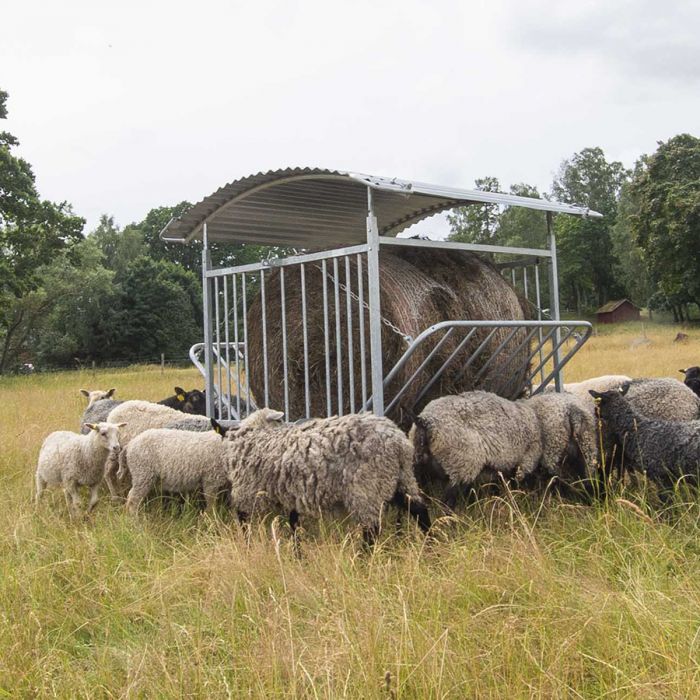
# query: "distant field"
[522,596]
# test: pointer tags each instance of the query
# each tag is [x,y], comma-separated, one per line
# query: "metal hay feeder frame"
[309,209]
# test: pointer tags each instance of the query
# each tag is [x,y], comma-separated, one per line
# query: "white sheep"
[72,460]
[180,461]
[139,417]
[357,461]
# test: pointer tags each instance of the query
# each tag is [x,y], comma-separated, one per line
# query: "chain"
[406,338]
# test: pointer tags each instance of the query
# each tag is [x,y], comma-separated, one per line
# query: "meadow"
[520,595]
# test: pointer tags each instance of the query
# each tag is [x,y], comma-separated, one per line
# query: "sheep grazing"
[569,435]
[663,399]
[72,460]
[97,395]
[139,417]
[195,424]
[664,450]
[357,461]
[187,401]
[692,379]
[179,461]
[460,436]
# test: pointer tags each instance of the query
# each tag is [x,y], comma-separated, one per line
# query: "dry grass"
[519,597]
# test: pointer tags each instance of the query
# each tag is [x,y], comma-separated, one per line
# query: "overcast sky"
[124,106]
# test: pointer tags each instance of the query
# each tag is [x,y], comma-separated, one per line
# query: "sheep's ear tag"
[597,400]
[217,429]
[180,397]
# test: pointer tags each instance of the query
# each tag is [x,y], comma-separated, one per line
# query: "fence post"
[94,372]
[554,297]
[208,330]
[375,314]
[162,363]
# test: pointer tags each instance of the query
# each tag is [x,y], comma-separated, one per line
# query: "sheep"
[568,433]
[139,416]
[602,383]
[97,412]
[187,401]
[180,461]
[692,378]
[459,436]
[71,460]
[664,450]
[358,461]
[663,399]
[97,395]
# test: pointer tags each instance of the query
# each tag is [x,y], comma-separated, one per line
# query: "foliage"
[32,231]
[476,223]
[667,223]
[587,263]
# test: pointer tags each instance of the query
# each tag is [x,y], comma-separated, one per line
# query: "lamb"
[139,417]
[357,461]
[459,436]
[569,434]
[97,395]
[71,460]
[664,450]
[179,461]
[692,378]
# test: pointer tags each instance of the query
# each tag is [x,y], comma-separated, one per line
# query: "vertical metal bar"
[234,280]
[324,273]
[245,343]
[206,310]
[554,293]
[525,282]
[512,275]
[307,395]
[375,310]
[538,301]
[218,343]
[351,356]
[264,337]
[338,339]
[283,299]
[361,312]
[227,340]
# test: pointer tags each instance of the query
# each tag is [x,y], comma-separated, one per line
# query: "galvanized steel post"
[375,315]
[554,296]
[208,334]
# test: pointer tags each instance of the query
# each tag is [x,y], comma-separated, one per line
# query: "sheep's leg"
[420,512]
[70,489]
[452,494]
[210,496]
[137,494]
[369,534]
[94,497]
[40,485]
[110,479]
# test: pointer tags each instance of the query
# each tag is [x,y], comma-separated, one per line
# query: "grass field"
[521,596]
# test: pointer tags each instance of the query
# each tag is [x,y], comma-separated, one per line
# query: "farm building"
[344,315]
[618,312]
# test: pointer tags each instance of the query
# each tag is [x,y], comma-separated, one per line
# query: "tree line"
[122,294]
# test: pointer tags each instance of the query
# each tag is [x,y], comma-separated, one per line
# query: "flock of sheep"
[361,462]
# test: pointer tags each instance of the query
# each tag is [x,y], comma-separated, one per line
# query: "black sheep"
[692,378]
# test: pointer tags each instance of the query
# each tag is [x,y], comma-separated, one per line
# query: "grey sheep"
[180,461]
[97,412]
[663,399]
[664,450]
[97,395]
[199,426]
[357,461]
[72,460]
[460,436]
[569,434]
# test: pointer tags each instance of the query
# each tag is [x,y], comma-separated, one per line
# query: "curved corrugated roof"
[314,207]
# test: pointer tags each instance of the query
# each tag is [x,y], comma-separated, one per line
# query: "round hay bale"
[418,289]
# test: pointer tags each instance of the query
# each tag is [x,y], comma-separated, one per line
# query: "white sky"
[124,106]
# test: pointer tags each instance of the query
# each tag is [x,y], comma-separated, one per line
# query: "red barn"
[618,312]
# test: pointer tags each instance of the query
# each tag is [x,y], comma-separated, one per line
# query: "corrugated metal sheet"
[313,207]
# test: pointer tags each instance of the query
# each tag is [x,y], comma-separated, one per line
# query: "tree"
[476,223]
[119,247]
[667,225]
[32,232]
[588,265]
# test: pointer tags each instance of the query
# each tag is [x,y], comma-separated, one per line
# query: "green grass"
[520,596]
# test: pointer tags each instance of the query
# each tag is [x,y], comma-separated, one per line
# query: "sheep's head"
[193,402]
[691,372]
[221,429]
[262,419]
[108,435]
[97,395]
[607,401]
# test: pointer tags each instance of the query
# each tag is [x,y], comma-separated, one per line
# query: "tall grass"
[520,596]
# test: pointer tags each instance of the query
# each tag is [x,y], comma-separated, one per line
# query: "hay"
[418,288]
